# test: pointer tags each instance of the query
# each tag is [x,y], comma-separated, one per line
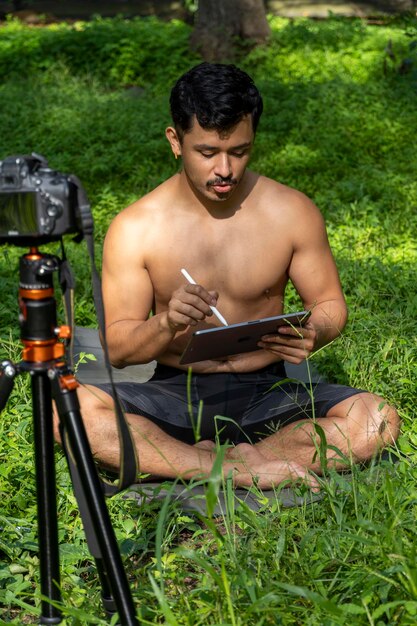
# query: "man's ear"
[174,141]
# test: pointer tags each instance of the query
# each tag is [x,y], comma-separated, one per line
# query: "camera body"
[39,204]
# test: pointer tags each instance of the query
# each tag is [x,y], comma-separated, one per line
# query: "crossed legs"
[354,429]
[358,427]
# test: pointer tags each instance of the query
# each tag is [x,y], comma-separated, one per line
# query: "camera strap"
[67,283]
[128,462]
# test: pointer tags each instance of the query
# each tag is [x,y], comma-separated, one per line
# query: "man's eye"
[207,155]
[239,154]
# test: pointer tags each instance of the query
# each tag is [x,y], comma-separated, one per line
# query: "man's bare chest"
[240,258]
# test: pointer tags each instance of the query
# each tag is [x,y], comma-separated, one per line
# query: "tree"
[219,23]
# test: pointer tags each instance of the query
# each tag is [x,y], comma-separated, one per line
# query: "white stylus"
[213,308]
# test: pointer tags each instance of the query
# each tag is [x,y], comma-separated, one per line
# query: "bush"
[339,125]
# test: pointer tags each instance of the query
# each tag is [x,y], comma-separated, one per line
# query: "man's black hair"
[218,95]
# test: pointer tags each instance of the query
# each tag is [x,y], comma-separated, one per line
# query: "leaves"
[340,130]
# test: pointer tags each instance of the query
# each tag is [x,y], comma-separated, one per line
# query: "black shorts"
[231,407]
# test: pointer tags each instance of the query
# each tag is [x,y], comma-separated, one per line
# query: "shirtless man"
[242,237]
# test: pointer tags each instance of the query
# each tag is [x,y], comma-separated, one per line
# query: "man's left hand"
[291,344]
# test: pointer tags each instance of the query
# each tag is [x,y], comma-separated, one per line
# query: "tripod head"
[38,319]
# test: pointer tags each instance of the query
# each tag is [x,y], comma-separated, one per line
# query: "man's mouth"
[222,186]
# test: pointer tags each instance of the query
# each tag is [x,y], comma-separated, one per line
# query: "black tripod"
[43,358]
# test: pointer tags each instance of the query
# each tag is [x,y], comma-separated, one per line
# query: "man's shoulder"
[283,200]
[145,209]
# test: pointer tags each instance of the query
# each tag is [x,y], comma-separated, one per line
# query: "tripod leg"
[69,413]
[106,597]
[46,497]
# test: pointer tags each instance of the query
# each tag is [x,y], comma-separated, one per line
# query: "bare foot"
[205,444]
[249,466]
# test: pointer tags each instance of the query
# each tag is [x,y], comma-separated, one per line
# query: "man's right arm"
[128,293]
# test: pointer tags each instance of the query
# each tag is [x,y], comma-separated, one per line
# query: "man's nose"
[223,166]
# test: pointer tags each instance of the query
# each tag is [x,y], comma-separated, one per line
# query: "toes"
[205,444]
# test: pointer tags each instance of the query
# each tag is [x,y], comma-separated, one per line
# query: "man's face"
[215,163]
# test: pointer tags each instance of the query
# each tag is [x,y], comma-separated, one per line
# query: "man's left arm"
[314,274]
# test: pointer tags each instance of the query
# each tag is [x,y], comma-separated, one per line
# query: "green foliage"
[339,125]
[116,51]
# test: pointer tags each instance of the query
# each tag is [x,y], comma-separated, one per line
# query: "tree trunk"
[397,6]
[220,22]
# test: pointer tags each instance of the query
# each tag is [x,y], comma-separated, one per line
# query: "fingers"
[189,305]
[291,354]
[293,344]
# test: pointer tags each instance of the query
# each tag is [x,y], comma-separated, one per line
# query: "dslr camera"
[39,204]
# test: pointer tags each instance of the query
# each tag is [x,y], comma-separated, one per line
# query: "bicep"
[313,269]
[127,288]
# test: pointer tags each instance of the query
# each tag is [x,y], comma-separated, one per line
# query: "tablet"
[224,341]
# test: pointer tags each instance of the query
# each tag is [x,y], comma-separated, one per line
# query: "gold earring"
[175,155]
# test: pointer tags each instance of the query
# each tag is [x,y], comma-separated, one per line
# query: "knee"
[383,421]
[91,404]
[388,422]
[57,424]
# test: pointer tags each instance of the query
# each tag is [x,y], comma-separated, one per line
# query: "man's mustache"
[221,181]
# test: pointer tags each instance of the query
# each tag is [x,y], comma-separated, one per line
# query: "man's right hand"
[189,305]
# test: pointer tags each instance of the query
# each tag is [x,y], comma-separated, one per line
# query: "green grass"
[339,124]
